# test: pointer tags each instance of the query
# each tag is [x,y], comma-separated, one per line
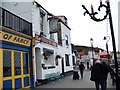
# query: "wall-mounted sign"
[53,23]
[14,39]
[45,40]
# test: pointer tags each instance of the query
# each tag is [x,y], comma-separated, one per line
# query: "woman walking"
[75,72]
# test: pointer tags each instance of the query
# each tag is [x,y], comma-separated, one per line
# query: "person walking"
[106,71]
[81,67]
[98,75]
[75,72]
[88,65]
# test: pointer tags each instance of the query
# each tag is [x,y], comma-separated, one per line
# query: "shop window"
[6,63]
[25,63]
[48,57]
[17,63]
[67,59]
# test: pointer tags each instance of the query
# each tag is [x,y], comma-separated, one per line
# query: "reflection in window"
[25,63]
[6,63]
[17,63]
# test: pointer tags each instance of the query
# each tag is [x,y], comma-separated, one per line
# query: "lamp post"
[91,41]
[108,13]
[107,38]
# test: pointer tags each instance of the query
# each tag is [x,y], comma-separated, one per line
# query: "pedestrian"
[98,75]
[106,71]
[91,63]
[81,67]
[75,72]
[88,65]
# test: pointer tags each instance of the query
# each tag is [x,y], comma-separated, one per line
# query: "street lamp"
[107,38]
[91,41]
[93,17]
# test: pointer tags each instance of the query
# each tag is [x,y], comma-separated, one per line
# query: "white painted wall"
[66,49]
[0,3]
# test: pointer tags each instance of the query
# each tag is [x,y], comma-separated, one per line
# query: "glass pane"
[25,63]
[17,63]
[6,63]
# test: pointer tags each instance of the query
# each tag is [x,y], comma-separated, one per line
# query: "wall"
[66,49]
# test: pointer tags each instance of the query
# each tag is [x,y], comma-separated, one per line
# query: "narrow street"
[68,82]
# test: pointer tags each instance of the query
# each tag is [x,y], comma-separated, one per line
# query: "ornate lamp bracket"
[93,14]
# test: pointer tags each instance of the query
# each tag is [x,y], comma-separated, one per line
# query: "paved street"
[67,82]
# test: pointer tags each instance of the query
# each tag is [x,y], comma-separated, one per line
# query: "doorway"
[63,73]
[38,63]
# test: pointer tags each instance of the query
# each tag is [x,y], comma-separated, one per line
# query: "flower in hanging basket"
[46,57]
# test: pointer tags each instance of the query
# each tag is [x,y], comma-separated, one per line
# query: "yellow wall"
[1,69]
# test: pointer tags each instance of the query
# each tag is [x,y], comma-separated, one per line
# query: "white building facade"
[52,49]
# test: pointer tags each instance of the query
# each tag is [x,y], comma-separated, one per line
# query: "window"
[67,59]
[0,16]
[7,63]
[17,63]
[59,35]
[16,23]
[41,21]
[52,36]
[25,63]
[66,40]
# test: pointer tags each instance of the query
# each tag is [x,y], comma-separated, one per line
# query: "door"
[38,63]
[63,73]
[16,72]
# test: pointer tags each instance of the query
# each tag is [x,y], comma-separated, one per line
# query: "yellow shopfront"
[15,60]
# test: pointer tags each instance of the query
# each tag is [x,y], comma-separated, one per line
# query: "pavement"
[68,82]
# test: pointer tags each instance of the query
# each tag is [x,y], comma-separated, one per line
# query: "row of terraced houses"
[34,43]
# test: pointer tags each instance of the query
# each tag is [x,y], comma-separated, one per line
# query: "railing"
[12,21]
[115,75]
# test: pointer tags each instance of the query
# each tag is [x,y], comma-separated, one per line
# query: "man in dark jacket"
[106,70]
[98,75]
[81,67]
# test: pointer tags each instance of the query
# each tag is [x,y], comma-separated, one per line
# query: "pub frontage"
[16,57]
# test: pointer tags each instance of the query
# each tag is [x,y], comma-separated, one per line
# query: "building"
[15,51]
[53,53]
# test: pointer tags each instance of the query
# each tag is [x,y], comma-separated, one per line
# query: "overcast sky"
[82,27]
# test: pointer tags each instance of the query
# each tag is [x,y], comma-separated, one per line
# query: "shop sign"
[45,40]
[14,39]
